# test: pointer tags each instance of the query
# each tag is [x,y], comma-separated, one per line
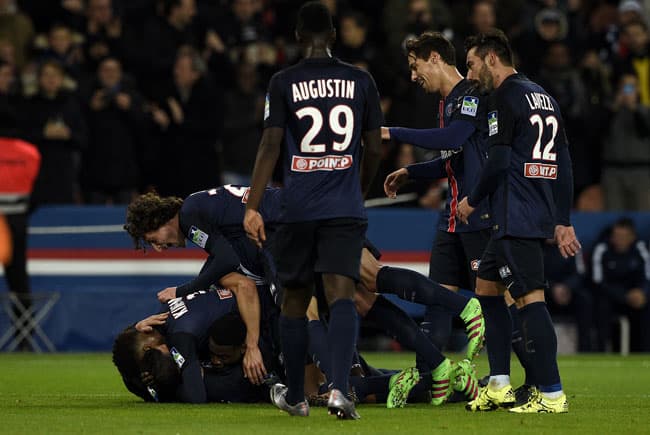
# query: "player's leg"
[526,285]
[292,249]
[339,244]
[523,392]
[498,332]
[446,266]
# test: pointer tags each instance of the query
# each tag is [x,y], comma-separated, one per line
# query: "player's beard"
[485,79]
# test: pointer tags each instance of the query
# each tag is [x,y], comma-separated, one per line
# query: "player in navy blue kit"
[321,109]
[172,344]
[528,178]
[212,220]
[461,138]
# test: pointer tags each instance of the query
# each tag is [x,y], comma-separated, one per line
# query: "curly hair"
[147,213]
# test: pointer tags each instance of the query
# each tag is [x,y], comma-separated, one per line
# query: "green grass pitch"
[82,393]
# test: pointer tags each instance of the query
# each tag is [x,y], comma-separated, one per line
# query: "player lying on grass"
[212,220]
[175,342]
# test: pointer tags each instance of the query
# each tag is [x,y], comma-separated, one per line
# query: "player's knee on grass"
[295,302]
[338,287]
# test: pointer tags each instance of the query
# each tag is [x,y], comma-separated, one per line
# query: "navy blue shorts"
[517,263]
[302,249]
[455,257]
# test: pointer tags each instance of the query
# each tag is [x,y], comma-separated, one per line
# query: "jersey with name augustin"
[324,106]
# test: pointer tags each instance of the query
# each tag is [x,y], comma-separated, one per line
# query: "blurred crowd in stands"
[124,96]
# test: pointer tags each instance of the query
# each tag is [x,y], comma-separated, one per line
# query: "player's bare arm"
[267,157]
[371,156]
[248,303]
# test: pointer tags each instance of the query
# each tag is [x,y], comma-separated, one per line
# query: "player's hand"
[635,298]
[561,294]
[147,378]
[394,181]
[167,294]
[254,226]
[146,325]
[464,210]
[385,133]
[253,365]
[566,240]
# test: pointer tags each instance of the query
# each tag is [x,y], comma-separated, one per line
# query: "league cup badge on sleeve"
[178,358]
[198,237]
[469,106]
[493,123]
[267,107]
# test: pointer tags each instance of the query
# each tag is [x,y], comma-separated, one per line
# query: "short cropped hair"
[124,353]
[423,45]
[147,213]
[494,40]
[229,330]
[314,19]
[165,373]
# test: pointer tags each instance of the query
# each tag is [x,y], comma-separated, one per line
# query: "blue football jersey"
[212,219]
[195,313]
[323,105]
[521,114]
[463,166]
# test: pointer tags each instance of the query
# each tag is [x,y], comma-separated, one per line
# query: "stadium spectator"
[162,38]
[17,28]
[242,125]
[192,107]
[567,294]
[52,120]
[620,272]
[103,36]
[62,48]
[45,13]
[9,96]
[550,26]
[636,57]
[115,121]
[482,17]
[626,165]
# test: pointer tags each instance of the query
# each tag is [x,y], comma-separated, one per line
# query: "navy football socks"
[519,345]
[415,287]
[436,325]
[342,341]
[401,326]
[293,339]
[498,333]
[318,348]
[538,331]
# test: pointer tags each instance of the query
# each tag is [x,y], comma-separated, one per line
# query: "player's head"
[226,343]
[314,24]
[152,219]
[487,53]
[623,235]
[428,54]
[164,371]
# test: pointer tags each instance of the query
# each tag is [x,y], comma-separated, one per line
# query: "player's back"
[324,106]
[524,206]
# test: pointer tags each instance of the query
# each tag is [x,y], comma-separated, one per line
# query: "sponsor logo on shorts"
[540,170]
[178,358]
[469,106]
[324,163]
[475,264]
[493,123]
[504,272]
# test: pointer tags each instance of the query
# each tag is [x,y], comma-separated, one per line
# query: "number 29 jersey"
[323,105]
[521,114]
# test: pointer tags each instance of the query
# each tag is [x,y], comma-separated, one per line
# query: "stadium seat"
[25,321]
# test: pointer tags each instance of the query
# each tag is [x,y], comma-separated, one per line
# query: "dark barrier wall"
[82,253]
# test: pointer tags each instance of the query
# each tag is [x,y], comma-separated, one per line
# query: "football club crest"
[469,106]
[493,123]
[198,237]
